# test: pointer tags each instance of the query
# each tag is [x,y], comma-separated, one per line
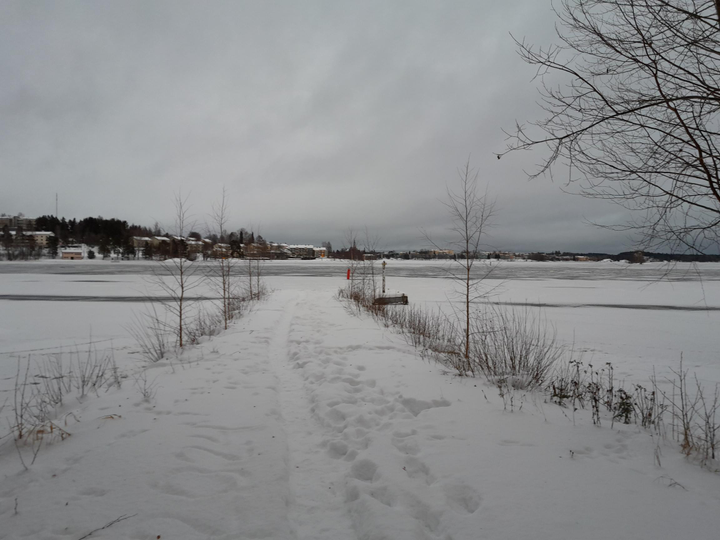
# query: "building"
[13,222]
[141,242]
[161,244]
[221,251]
[301,251]
[74,252]
[194,246]
[42,238]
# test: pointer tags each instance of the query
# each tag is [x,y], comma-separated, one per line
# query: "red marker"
[348,273]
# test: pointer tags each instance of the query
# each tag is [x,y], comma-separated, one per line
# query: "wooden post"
[383,265]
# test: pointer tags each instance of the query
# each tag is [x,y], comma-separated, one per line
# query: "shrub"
[514,346]
[151,333]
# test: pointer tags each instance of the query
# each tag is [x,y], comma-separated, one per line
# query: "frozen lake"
[638,317]
[505,270]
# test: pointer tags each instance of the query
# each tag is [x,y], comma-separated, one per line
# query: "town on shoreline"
[26,238]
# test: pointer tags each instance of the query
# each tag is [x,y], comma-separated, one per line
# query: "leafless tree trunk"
[637,122]
[258,281]
[255,285]
[224,270]
[471,214]
[182,272]
[250,279]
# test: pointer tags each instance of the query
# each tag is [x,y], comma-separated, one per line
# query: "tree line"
[108,234]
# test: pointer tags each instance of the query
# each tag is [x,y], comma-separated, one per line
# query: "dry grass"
[36,416]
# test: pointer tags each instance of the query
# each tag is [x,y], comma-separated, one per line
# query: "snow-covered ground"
[303,421]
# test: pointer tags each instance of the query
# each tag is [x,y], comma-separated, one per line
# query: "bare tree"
[370,244]
[223,279]
[470,214]
[181,271]
[219,216]
[363,280]
[637,120]
[255,285]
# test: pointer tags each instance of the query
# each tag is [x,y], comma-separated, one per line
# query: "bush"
[152,334]
[513,347]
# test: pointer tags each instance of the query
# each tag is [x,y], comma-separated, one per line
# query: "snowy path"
[305,423]
[315,510]
[342,425]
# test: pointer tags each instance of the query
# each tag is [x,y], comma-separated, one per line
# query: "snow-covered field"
[302,421]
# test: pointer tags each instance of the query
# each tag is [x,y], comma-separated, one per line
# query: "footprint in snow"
[418,469]
[416,406]
[406,445]
[462,498]
[365,470]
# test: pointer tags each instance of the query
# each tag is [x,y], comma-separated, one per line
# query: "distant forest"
[95,231]
[680,257]
[632,256]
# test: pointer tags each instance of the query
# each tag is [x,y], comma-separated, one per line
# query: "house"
[74,252]
[194,246]
[301,251]
[266,251]
[39,239]
[161,246]
[157,241]
[221,251]
[140,242]
[42,238]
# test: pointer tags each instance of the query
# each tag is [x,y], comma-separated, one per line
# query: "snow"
[635,326]
[305,422]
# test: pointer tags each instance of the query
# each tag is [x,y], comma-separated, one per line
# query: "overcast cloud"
[316,116]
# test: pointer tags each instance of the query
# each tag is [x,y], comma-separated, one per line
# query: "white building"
[74,252]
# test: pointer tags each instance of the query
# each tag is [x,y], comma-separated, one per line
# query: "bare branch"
[638,118]
[113,522]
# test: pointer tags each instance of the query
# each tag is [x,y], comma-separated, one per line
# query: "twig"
[20,454]
[113,522]
[671,482]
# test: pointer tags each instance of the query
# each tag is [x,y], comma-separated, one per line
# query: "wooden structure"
[391,298]
[388,298]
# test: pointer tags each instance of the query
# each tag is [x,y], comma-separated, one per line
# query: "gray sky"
[316,116]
